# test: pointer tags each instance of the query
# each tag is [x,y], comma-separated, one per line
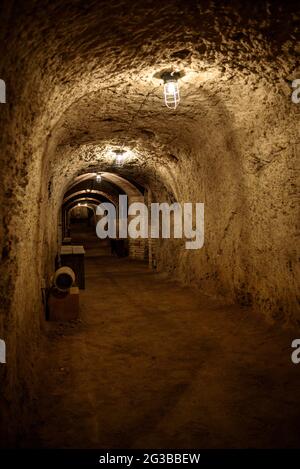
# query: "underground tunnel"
[157,345]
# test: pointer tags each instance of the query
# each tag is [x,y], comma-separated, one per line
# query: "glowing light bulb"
[120,157]
[171,89]
[98,178]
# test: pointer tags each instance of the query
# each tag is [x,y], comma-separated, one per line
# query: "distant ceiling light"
[171,89]
[120,157]
[98,177]
[79,204]
[88,190]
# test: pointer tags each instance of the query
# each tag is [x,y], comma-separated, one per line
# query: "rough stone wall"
[247,174]
[77,75]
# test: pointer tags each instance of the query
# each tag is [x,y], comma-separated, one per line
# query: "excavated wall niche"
[79,80]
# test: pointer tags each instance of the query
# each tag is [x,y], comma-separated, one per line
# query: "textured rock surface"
[80,81]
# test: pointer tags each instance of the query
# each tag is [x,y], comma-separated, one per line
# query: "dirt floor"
[153,364]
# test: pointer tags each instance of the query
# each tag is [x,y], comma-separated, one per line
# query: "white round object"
[64,278]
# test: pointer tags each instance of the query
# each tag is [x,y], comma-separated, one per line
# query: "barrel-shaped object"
[64,278]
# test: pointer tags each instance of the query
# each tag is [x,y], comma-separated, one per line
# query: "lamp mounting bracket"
[169,76]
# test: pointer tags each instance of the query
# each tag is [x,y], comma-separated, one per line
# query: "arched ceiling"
[115,183]
[93,65]
[85,188]
[93,195]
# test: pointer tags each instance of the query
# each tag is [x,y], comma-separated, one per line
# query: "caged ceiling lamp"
[120,156]
[171,89]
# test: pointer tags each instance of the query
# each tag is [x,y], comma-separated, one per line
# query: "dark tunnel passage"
[173,347]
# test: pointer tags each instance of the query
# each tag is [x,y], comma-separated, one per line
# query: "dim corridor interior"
[153,364]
